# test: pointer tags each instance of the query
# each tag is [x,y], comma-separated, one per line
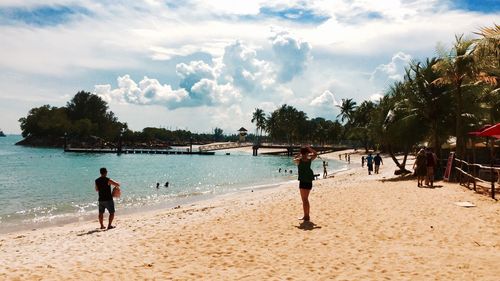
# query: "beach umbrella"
[475,134]
[492,131]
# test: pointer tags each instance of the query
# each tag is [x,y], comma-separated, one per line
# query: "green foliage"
[45,121]
[218,134]
[289,125]
[84,116]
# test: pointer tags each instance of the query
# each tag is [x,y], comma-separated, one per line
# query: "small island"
[86,122]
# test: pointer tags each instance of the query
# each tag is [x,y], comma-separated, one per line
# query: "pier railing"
[223,145]
[477,175]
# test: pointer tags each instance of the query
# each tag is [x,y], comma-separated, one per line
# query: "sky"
[198,65]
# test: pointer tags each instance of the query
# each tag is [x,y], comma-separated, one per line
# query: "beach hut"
[243,134]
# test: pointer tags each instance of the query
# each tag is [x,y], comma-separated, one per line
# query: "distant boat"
[2,134]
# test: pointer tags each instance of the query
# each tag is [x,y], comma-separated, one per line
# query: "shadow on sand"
[307,225]
[90,232]
[431,187]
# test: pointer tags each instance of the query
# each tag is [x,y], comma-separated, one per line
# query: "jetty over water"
[223,145]
[286,149]
[138,151]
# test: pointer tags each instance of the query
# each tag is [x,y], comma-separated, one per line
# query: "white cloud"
[244,70]
[193,72]
[208,92]
[151,92]
[393,71]
[291,55]
[147,92]
[376,97]
[324,101]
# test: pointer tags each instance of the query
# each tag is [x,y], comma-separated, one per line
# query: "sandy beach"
[362,228]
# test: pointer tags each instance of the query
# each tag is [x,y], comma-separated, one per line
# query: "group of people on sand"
[347,157]
[370,160]
[424,166]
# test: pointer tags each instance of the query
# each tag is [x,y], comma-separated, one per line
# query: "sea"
[47,186]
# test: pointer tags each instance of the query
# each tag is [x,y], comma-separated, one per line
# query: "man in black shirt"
[103,187]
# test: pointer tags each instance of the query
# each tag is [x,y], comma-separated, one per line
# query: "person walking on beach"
[378,161]
[325,173]
[369,163]
[306,176]
[103,187]
[420,167]
[431,162]
[362,161]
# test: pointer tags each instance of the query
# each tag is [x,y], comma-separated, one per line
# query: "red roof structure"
[475,133]
[493,131]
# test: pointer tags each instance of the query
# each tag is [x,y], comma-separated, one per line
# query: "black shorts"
[110,205]
[370,167]
[305,185]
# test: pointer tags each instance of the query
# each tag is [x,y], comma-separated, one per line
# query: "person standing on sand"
[378,161]
[103,187]
[306,176]
[420,167]
[369,163]
[325,172]
[362,161]
[431,165]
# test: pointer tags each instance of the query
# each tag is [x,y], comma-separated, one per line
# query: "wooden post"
[492,182]
[255,149]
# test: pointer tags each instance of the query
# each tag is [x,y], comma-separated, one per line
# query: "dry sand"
[362,229]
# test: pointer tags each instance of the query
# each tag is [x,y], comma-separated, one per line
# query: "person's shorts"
[370,167]
[110,205]
[305,185]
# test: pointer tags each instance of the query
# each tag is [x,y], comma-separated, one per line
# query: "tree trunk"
[403,164]
[459,136]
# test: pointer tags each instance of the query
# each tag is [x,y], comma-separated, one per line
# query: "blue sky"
[203,64]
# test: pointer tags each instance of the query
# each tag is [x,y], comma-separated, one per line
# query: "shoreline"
[363,228]
[64,219]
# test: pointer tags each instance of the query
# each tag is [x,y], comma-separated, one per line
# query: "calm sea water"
[42,185]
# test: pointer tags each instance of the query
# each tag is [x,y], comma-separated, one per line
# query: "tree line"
[86,119]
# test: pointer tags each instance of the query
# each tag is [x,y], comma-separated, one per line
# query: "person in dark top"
[103,187]
[420,167]
[369,163]
[378,161]
[362,161]
[431,159]
[306,176]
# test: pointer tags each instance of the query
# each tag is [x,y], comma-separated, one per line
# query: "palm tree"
[259,117]
[346,110]
[361,118]
[430,100]
[487,55]
[457,69]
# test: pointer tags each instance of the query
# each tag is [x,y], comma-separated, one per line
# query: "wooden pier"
[139,151]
